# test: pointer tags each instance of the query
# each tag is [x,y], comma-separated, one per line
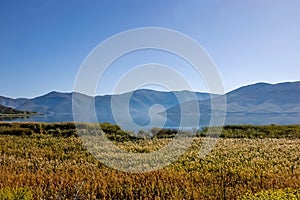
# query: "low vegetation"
[48,161]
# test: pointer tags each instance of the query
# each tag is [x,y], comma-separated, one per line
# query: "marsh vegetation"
[49,161]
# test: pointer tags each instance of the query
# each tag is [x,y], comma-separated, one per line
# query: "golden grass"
[54,167]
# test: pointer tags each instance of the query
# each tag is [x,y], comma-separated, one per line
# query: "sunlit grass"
[59,167]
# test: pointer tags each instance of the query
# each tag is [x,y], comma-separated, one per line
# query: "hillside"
[7,113]
[13,103]
[260,103]
[10,111]
[260,98]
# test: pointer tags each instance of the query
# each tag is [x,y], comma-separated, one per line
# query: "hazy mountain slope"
[53,102]
[260,98]
[266,98]
[12,103]
[139,102]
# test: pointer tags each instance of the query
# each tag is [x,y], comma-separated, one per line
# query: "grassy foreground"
[51,163]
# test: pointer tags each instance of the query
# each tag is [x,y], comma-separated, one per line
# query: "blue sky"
[43,43]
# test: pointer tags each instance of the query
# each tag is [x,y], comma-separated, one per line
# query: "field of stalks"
[49,161]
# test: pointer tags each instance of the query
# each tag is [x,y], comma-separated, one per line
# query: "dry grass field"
[57,166]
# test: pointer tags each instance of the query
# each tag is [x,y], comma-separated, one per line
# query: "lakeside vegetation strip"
[20,115]
[114,132]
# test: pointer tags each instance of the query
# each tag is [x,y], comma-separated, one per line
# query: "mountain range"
[260,99]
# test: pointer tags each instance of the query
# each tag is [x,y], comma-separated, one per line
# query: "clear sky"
[43,43]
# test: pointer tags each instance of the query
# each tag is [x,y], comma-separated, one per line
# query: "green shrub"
[15,194]
[280,194]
